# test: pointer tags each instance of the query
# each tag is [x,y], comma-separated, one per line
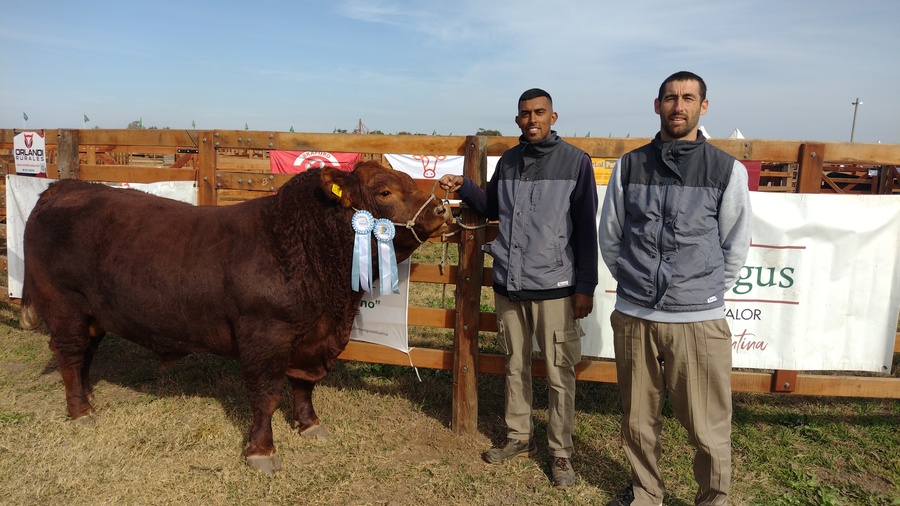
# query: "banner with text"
[382,318]
[820,289]
[29,153]
[295,162]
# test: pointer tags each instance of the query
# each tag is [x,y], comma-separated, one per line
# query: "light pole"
[855,107]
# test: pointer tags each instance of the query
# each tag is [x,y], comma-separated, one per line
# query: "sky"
[787,70]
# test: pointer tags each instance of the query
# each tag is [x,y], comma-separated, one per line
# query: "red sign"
[295,162]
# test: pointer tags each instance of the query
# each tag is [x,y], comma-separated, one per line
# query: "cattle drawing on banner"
[295,162]
[434,166]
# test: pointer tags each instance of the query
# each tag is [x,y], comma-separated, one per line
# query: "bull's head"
[390,194]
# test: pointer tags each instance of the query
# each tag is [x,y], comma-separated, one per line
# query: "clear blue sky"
[775,69]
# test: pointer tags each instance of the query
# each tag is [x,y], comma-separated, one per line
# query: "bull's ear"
[339,185]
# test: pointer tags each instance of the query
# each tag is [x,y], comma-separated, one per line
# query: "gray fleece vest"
[534,184]
[671,257]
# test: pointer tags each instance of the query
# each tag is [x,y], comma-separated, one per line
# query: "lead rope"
[446,244]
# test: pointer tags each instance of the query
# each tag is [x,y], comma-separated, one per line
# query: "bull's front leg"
[305,419]
[265,395]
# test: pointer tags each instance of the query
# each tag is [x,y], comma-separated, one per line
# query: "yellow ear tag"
[335,189]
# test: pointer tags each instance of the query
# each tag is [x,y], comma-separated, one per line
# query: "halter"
[412,222]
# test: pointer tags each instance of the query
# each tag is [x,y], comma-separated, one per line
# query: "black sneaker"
[563,474]
[510,448]
[626,499]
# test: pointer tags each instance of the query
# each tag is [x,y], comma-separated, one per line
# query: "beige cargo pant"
[692,363]
[558,336]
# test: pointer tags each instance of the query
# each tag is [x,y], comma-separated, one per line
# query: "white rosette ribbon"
[387,261]
[361,275]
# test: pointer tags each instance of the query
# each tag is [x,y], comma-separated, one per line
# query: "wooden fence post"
[809,168]
[464,417]
[206,169]
[809,180]
[67,154]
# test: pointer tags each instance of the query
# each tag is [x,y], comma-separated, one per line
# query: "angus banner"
[295,162]
[820,289]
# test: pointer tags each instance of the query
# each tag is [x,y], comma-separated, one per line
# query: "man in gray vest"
[545,265]
[674,232]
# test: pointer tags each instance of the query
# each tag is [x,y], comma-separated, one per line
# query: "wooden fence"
[232,165]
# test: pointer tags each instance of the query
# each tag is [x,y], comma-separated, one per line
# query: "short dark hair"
[684,75]
[534,93]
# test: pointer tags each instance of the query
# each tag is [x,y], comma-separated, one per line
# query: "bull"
[266,282]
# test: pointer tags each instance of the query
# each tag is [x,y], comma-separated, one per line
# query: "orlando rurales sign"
[29,153]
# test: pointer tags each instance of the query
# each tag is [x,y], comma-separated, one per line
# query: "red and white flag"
[295,162]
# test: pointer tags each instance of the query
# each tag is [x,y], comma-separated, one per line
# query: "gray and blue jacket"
[675,229]
[545,198]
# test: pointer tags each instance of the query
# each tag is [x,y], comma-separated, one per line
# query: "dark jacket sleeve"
[584,228]
[482,201]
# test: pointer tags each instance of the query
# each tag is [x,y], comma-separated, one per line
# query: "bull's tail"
[29,318]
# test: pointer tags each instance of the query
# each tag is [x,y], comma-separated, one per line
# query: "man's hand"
[450,182]
[582,305]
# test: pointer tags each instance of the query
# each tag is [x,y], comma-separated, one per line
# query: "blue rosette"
[361,274]
[389,280]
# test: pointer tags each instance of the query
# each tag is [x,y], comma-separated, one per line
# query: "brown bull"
[265,282]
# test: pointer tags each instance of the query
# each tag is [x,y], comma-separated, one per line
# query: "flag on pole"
[292,128]
[193,125]
[588,134]
[246,127]
[25,116]
[86,119]
[141,123]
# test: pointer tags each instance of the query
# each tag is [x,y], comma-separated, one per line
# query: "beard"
[679,132]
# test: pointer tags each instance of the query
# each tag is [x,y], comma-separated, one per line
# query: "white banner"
[434,166]
[29,153]
[382,318]
[820,289]
[22,194]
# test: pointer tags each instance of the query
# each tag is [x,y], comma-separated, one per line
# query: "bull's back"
[150,269]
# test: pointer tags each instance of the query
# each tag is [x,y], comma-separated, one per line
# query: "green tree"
[493,133]
[134,125]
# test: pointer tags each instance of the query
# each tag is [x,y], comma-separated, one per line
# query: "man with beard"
[545,271]
[674,232]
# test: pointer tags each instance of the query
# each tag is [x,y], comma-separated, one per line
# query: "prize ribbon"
[363,223]
[387,261]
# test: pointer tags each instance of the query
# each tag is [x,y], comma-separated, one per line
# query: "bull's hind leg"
[305,419]
[97,335]
[73,347]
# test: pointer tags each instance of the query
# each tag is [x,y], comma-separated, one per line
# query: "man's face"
[535,118]
[680,110]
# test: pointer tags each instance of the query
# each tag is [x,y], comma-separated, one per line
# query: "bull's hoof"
[316,432]
[85,420]
[268,464]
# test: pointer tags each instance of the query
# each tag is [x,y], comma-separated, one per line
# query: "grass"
[174,436]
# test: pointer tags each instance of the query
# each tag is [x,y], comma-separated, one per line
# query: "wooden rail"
[232,165]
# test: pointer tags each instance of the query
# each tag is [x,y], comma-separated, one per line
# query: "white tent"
[703,131]
[736,134]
